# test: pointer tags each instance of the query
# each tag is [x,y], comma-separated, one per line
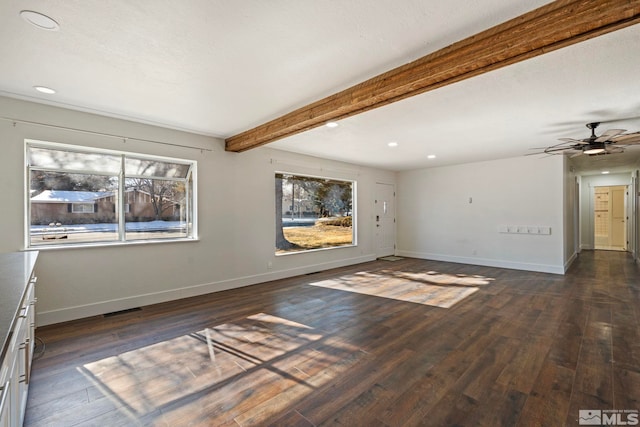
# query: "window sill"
[110,244]
[314,250]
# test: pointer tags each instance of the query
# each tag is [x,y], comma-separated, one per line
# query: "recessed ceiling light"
[431,156]
[44,89]
[605,172]
[392,144]
[332,124]
[39,20]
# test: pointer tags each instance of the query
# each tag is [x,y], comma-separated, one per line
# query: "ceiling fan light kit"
[594,151]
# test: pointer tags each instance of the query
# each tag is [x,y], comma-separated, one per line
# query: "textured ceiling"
[221,67]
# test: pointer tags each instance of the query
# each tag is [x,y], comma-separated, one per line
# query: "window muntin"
[313,213]
[78,195]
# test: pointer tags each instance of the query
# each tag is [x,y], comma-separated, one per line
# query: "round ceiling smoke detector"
[39,20]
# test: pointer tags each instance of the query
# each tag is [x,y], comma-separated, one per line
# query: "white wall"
[587,203]
[436,220]
[236,211]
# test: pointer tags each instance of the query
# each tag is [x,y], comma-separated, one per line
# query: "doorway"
[385,220]
[610,219]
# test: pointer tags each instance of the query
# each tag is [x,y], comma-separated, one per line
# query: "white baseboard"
[543,268]
[99,308]
[570,261]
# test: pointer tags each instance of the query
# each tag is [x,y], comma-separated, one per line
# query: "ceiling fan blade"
[573,141]
[552,150]
[608,134]
[566,145]
[626,139]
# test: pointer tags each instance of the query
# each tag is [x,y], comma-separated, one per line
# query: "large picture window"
[78,195]
[313,213]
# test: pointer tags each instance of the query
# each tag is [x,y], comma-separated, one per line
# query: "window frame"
[354,210]
[121,202]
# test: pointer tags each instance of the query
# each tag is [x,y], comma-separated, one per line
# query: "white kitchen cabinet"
[17,323]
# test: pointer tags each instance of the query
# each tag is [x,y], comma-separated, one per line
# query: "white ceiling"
[219,67]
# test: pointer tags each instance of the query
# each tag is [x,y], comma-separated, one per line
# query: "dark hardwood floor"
[403,343]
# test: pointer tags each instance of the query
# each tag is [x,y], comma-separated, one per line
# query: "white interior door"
[385,220]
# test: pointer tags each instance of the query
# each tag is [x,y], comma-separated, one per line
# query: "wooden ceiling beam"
[550,27]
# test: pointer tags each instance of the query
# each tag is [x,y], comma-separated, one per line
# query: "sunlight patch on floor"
[218,364]
[430,288]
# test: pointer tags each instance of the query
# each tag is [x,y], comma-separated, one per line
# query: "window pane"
[73,161]
[157,209]
[154,168]
[72,208]
[83,207]
[312,213]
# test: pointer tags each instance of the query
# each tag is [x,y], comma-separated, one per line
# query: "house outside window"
[78,195]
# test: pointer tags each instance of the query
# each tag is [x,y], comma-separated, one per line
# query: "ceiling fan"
[610,142]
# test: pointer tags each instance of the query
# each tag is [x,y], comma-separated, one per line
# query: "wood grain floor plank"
[521,371]
[499,406]
[548,402]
